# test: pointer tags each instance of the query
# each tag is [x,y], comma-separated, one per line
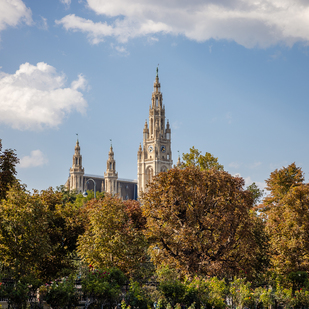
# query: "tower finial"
[111,142]
[77,136]
[157,71]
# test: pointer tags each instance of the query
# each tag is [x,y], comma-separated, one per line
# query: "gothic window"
[75,161]
[157,102]
[110,166]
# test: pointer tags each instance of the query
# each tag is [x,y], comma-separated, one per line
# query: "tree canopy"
[286,213]
[8,162]
[38,233]
[113,235]
[204,162]
[202,222]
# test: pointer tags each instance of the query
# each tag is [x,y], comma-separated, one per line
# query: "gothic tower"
[110,176]
[76,171]
[155,155]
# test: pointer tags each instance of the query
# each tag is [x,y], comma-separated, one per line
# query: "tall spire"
[156,155]
[156,85]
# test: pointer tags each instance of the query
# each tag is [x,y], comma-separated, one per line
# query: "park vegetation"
[197,238]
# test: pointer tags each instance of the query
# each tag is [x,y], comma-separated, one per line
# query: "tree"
[62,294]
[206,162]
[113,238]
[202,222]
[257,193]
[286,211]
[8,161]
[102,286]
[38,233]
[280,182]
[23,232]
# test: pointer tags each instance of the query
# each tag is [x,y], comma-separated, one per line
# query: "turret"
[168,131]
[145,131]
[111,176]
[76,171]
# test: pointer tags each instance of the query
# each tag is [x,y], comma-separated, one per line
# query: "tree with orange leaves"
[202,222]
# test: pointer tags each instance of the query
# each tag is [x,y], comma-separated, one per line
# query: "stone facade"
[153,157]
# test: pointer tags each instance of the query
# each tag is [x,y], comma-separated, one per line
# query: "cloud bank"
[35,97]
[36,158]
[251,23]
[13,12]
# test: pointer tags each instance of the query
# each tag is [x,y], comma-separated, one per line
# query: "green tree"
[257,193]
[113,238]
[202,222]
[38,233]
[170,286]
[136,296]
[204,162]
[62,294]
[23,232]
[16,294]
[8,162]
[102,286]
[286,211]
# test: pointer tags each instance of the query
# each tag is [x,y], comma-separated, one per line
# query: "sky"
[234,76]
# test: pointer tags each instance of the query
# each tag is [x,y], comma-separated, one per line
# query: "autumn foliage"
[113,235]
[202,222]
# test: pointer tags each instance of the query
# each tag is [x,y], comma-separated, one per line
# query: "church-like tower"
[110,176]
[155,155]
[76,171]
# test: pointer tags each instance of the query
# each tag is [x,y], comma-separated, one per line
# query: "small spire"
[178,161]
[77,138]
[111,143]
[157,71]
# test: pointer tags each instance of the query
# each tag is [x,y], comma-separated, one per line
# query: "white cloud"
[35,97]
[67,3]
[37,158]
[122,50]
[13,12]
[250,23]
[249,181]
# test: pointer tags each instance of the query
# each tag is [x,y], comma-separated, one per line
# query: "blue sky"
[234,77]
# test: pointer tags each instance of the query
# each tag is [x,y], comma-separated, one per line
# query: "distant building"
[153,157]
